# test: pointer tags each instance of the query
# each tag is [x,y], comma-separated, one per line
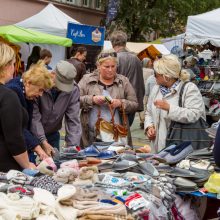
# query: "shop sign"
[86,34]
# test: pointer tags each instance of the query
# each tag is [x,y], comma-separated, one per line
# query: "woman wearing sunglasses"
[162,107]
[101,87]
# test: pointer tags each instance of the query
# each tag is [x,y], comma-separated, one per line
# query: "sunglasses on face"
[104,55]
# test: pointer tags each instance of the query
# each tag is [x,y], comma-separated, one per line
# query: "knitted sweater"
[12,121]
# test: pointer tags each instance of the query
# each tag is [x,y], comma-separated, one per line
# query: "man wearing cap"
[62,101]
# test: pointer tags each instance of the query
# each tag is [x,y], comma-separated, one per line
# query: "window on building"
[98,4]
[86,3]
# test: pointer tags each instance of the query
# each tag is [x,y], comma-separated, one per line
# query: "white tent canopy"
[138,47]
[50,20]
[204,28]
[171,42]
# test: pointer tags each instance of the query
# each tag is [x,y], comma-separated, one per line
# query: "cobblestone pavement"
[138,137]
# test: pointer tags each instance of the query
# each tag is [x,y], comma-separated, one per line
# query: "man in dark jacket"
[78,56]
[130,66]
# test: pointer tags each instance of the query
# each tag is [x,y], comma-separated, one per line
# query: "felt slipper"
[184,183]
[120,164]
[148,168]
[145,149]
[180,172]
[105,166]
[93,161]
[107,154]
[91,151]
[83,163]
[130,157]
[165,151]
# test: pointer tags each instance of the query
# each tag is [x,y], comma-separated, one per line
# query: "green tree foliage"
[139,18]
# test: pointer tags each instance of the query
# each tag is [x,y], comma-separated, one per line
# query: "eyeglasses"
[104,55]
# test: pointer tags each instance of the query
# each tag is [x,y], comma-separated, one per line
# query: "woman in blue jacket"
[30,86]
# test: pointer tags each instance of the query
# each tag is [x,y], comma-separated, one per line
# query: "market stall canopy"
[143,49]
[204,28]
[16,34]
[50,20]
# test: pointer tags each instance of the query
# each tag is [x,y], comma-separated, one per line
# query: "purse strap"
[181,94]
[124,121]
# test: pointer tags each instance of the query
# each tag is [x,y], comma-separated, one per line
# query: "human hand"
[98,99]
[151,133]
[116,103]
[162,104]
[32,166]
[48,148]
[40,152]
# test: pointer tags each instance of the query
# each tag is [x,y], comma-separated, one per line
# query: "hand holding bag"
[194,132]
[109,131]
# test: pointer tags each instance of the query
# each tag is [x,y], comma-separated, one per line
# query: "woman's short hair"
[38,75]
[45,53]
[7,55]
[118,38]
[105,55]
[170,66]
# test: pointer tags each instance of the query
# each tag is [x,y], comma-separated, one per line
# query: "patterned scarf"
[164,90]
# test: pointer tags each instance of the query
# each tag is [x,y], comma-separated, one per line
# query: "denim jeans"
[54,139]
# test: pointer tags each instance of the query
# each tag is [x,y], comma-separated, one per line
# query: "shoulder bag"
[194,132]
[109,131]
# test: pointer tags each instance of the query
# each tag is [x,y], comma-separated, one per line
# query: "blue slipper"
[107,154]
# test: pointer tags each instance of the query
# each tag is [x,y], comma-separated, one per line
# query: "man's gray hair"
[118,38]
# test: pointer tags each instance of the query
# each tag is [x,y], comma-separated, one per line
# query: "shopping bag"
[194,132]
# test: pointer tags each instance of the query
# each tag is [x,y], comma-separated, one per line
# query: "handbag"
[194,132]
[109,131]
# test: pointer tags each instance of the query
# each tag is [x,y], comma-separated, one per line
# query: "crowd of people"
[43,97]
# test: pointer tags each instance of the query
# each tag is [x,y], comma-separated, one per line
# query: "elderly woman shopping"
[163,105]
[100,88]
[29,87]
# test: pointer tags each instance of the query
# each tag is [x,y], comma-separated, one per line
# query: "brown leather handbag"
[109,131]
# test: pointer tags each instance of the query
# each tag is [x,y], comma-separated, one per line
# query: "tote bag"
[194,132]
[109,131]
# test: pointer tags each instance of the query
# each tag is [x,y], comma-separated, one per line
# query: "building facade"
[89,12]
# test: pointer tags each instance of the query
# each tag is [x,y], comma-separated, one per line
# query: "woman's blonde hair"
[38,75]
[170,66]
[7,55]
[105,55]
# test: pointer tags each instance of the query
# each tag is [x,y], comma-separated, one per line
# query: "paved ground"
[138,137]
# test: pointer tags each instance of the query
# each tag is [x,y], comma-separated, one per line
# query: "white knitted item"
[6,213]
[26,206]
[46,201]
[46,217]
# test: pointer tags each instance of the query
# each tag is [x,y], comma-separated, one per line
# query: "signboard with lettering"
[112,10]
[86,34]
